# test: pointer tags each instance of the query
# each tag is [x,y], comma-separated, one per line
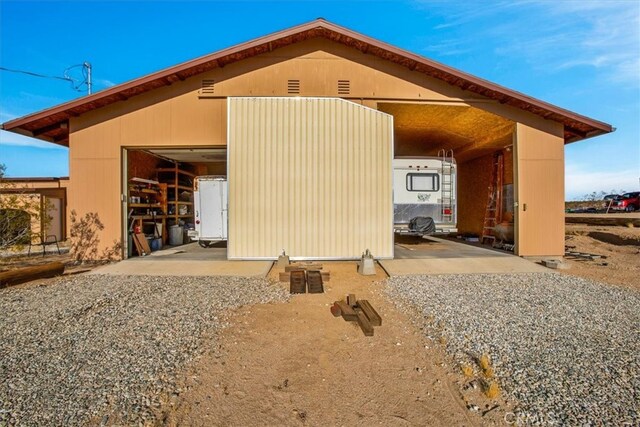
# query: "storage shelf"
[180,187]
[145,205]
[143,190]
[175,170]
[173,202]
[148,216]
[184,216]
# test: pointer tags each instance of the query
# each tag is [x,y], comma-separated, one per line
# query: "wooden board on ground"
[314,282]
[285,276]
[298,282]
[370,312]
[303,266]
[347,312]
[141,241]
[351,300]
[364,323]
[27,274]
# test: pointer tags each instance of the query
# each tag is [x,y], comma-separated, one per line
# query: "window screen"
[423,182]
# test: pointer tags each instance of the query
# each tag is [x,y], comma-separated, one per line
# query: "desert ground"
[237,351]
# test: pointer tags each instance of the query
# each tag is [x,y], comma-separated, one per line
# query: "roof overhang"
[52,124]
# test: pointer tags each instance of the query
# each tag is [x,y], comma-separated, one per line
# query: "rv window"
[423,182]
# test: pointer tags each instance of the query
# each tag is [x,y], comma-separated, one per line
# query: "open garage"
[305,125]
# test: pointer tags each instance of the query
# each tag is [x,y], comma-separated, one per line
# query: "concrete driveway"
[432,255]
[187,260]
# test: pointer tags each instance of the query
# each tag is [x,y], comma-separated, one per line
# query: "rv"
[210,197]
[425,187]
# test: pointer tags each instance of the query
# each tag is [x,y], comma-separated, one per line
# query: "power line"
[86,74]
[29,73]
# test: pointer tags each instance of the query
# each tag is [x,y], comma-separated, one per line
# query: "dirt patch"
[620,246]
[294,364]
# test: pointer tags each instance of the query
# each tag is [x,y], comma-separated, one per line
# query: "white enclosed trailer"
[210,197]
[425,187]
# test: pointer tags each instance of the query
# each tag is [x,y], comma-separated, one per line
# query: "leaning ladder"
[494,201]
[446,202]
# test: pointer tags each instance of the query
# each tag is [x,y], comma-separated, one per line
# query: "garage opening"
[160,188]
[482,146]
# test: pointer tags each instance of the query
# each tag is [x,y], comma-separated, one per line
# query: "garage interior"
[160,192]
[160,180]
[479,140]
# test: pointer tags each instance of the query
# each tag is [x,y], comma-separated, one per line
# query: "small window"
[423,182]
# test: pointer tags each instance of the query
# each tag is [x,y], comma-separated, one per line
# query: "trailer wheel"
[205,243]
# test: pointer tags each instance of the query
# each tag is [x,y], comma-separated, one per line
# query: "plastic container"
[156,244]
[176,235]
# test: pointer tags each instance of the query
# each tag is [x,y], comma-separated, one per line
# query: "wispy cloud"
[581,179]
[9,139]
[550,35]
[104,82]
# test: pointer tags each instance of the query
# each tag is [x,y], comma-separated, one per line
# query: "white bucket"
[175,235]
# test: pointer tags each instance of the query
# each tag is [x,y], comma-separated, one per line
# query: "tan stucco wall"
[177,115]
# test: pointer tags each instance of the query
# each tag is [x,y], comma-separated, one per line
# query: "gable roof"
[52,124]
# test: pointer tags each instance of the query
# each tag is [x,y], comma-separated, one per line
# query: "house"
[304,124]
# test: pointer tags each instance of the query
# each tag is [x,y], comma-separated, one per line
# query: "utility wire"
[66,78]
[29,73]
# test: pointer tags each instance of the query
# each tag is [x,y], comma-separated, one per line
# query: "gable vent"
[208,87]
[293,86]
[344,87]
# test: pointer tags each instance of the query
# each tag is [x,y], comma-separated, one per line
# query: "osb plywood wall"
[474,177]
[142,165]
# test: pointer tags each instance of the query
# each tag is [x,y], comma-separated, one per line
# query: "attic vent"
[344,87]
[293,86]
[208,87]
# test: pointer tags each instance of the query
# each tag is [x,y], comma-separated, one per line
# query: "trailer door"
[211,207]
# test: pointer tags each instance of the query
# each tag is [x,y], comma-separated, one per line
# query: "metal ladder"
[446,186]
[493,211]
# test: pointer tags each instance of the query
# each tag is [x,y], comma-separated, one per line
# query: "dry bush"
[85,240]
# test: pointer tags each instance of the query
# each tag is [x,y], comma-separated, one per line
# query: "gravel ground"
[566,350]
[97,349]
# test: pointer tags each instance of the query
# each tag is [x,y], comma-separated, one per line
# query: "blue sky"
[580,55]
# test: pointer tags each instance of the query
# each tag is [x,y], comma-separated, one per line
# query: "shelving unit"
[151,206]
[178,208]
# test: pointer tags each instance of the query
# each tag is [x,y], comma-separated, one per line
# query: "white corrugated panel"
[312,176]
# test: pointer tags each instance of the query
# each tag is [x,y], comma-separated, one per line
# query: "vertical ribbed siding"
[311,176]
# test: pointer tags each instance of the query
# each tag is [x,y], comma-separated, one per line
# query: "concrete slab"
[155,266]
[187,260]
[440,256]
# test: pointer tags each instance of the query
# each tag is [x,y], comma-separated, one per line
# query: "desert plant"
[85,239]
[18,208]
[491,389]
[467,370]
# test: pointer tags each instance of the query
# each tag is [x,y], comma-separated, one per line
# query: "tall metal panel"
[540,192]
[312,176]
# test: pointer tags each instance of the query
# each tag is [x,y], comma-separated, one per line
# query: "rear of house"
[305,126]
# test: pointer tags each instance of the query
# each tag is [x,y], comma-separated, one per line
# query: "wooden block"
[292,267]
[370,312]
[364,323]
[346,311]
[298,282]
[351,300]
[284,276]
[335,310]
[314,282]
